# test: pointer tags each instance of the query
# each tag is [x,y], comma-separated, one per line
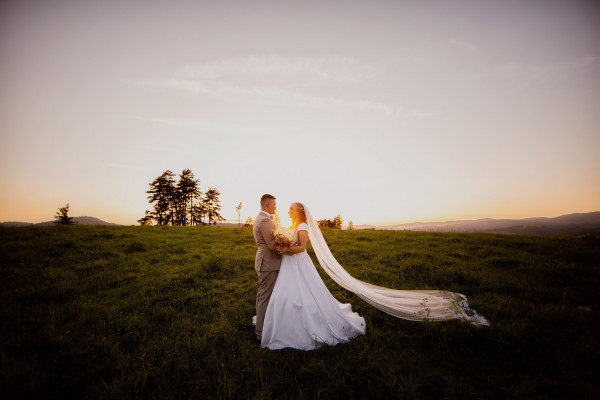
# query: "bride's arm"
[301,246]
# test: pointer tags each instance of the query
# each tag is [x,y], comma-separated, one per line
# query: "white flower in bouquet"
[283,237]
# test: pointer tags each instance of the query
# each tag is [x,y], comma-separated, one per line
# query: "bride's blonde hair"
[301,213]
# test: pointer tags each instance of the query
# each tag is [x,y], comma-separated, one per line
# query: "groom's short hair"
[265,198]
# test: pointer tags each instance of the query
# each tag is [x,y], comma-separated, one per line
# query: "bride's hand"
[283,250]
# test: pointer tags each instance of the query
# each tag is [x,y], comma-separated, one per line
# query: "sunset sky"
[381,111]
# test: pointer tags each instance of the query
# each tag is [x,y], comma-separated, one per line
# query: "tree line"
[181,202]
[335,223]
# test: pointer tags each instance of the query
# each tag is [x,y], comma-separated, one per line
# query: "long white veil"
[415,305]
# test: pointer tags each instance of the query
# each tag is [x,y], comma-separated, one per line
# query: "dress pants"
[266,283]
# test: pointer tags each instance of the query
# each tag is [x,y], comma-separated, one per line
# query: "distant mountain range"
[571,224]
[85,220]
[565,225]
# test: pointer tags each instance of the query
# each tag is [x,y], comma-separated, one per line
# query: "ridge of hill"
[83,220]
[570,224]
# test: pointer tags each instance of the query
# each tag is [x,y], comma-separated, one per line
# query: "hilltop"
[570,224]
[83,220]
[564,225]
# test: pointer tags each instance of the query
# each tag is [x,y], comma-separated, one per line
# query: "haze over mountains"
[84,220]
[570,224]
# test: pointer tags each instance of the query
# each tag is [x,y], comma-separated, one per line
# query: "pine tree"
[62,216]
[162,192]
[187,192]
[211,202]
[146,220]
[198,212]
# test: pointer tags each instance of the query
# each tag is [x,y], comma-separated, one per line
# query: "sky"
[381,111]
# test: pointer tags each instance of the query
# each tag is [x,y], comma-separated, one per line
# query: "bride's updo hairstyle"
[301,213]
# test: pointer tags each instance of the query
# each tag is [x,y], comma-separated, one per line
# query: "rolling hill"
[84,220]
[564,225]
[570,224]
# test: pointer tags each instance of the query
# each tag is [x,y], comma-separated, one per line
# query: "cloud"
[282,97]
[276,80]
[327,68]
[536,71]
[288,98]
[205,126]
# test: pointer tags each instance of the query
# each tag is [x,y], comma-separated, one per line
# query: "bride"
[302,313]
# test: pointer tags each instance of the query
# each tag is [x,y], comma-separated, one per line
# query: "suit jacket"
[263,236]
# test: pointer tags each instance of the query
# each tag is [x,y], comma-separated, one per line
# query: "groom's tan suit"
[266,266]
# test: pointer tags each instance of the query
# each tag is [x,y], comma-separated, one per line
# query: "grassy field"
[165,312]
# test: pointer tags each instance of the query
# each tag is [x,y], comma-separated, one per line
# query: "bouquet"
[283,238]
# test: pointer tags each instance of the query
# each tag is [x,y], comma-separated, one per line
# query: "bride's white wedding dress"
[302,313]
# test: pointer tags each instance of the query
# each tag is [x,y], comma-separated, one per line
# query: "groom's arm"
[266,229]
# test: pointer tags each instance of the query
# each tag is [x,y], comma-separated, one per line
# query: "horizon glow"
[384,112]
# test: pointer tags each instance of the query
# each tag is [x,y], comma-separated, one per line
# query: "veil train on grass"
[414,305]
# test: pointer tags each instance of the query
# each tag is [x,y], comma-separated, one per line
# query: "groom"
[265,263]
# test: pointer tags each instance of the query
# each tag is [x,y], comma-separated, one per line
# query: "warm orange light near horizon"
[24,212]
[381,112]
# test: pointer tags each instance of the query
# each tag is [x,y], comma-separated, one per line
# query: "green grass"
[165,312]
